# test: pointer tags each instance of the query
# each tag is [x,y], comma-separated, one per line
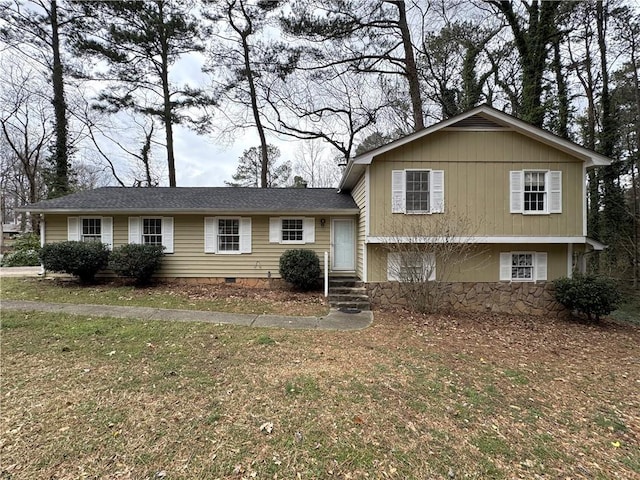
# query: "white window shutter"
[73,229]
[398,203]
[393,266]
[437,191]
[309,230]
[275,235]
[540,266]
[135,234]
[106,227]
[167,234]
[516,191]
[430,265]
[554,179]
[210,234]
[245,235]
[505,267]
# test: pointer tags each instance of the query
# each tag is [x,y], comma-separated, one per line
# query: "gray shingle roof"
[199,199]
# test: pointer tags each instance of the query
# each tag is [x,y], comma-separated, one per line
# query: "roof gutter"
[139,211]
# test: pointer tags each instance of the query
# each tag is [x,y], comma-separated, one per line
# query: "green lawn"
[410,397]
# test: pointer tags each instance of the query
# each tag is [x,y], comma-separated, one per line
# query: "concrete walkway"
[335,320]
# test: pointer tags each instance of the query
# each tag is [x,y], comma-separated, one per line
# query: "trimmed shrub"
[25,252]
[136,261]
[587,294]
[301,268]
[81,259]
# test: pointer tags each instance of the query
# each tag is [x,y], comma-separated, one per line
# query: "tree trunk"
[60,184]
[167,114]
[264,154]
[411,71]
[532,49]
[562,128]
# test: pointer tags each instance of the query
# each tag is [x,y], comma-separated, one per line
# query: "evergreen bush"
[136,261]
[25,252]
[301,268]
[587,294]
[83,260]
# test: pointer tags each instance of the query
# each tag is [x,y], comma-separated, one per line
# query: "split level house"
[520,190]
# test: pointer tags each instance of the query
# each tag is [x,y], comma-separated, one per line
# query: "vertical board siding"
[481,266]
[189,259]
[359,195]
[477,166]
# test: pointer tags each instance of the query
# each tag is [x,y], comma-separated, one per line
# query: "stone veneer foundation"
[525,298]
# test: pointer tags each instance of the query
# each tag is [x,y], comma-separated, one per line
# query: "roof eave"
[182,211]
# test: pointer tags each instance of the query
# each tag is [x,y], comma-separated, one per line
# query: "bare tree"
[312,164]
[26,132]
[424,252]
[36,31]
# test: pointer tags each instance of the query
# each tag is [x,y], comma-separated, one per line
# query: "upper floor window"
[152,231]
[417,191]
[91,230]
[535,194]
[535,191]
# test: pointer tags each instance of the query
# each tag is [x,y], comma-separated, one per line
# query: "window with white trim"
[91,230]
[152,231]
[292,230]
[523,266]
[411,267]
[417,191]
[227,235]
[535,191]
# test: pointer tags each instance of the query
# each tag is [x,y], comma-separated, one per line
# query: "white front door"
[343,244]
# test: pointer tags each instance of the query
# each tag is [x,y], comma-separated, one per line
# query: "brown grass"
[410,397]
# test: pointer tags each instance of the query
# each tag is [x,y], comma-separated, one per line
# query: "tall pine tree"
[140,41]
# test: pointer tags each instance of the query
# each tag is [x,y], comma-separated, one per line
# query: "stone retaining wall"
[525,298]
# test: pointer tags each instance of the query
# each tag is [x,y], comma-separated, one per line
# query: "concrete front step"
[351,290]
[345,282]
[348,297]
[348,293]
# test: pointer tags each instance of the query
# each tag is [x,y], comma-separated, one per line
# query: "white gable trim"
[590,158]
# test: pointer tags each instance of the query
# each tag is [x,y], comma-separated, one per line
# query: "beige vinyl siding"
[476,171]
[359,194]
[189,259]
[483,265]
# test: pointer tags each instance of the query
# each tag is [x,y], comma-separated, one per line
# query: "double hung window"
[152,231]
[91,230]
[417,191]
[228,235]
